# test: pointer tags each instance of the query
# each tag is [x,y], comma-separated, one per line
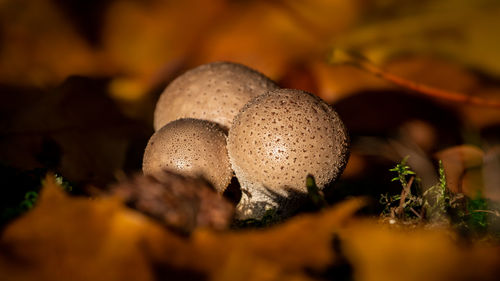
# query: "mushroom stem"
[256,201]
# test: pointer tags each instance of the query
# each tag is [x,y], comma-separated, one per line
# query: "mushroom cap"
[280,137]
[190,147]
[214,92]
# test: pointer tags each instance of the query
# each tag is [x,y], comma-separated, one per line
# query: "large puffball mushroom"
[278,139]
[190,147]
[214,92]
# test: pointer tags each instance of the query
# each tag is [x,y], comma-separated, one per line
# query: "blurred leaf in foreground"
[66,238]
[384,253]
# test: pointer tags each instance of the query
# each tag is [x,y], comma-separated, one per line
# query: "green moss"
[436,204]
[29,200]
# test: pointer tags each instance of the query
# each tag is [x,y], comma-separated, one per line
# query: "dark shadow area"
[87,16]
[233,191]
[381,113]
[168,272]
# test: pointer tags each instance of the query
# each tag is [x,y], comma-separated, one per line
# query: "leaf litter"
[135,235]
[77,238]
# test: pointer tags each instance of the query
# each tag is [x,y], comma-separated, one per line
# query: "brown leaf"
[81,239]
[298,246]
[456,161]
[181,203]
[65,238]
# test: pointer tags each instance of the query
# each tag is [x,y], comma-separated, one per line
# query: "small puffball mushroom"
[214,92]
[276,140]
[190,147]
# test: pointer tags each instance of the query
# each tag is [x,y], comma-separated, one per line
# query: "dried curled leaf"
[181,203]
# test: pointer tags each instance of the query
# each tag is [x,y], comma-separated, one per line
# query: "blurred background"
[79,80]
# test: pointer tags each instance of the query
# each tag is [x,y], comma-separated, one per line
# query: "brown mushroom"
[214,92]
[190,147]
[277,140]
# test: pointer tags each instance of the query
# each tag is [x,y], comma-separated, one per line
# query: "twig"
[404,193]
[415,212]
[496,213]
[457,97]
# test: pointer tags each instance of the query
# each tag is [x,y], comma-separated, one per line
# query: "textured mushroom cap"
[282,136]
[214,92]
[190,147]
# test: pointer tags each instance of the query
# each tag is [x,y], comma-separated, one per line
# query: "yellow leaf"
[66,238]
[379,252]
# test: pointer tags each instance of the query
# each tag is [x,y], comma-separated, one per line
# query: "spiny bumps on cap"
[276,136]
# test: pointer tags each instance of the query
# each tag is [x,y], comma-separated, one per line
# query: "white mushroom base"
[256,200]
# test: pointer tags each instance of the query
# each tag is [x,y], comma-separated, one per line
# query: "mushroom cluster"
[275,137]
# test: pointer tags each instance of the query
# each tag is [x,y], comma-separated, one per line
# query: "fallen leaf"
[181,203]
[65,238]
[457,161]
[380,252]
[99,239]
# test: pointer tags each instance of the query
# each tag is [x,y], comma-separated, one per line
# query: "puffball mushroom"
[278,139]
[214,92]
[190,147]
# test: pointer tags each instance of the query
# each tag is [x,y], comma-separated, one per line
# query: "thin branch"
[404,193]
[496,213]
[457,97]
[415,212]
